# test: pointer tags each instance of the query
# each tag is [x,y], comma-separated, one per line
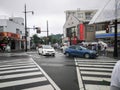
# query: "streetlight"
[26,26]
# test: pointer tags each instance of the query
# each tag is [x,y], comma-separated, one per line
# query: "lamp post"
[26,26]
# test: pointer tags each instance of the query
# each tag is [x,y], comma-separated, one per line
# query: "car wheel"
[87,55]
[67,54]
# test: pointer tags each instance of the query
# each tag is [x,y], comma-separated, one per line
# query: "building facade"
[77,28]
[105,32]
[12,32]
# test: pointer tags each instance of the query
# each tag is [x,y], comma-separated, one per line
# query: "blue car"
[76,50]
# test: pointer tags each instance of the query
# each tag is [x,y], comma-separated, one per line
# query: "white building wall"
[11,27]
[11,24]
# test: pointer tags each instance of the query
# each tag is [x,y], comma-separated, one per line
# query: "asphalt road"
[60,68]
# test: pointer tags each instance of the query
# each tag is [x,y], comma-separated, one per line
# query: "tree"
[36,39]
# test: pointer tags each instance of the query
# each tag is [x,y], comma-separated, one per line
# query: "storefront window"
[1,28]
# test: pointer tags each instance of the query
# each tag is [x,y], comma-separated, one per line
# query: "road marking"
[96,63]
[46,87]
[14,61]
[96,79]
[89,60]
[80,83]
[95,87]
[88,65]
[19,64]
[21,82]
[19,75]
[51,81]
[16,67]
[95,74]
[19,70]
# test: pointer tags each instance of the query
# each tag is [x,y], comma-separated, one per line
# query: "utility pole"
[26,33]
[47,29]
[47,33]
[25,30]
[115,54]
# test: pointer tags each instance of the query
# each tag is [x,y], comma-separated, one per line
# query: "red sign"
[81,32]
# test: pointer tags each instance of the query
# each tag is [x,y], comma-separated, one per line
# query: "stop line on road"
[24,74]
[94,74]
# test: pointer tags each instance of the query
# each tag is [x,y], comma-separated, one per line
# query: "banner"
[81,27]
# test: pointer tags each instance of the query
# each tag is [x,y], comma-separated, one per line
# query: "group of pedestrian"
[5,47]
[100,48]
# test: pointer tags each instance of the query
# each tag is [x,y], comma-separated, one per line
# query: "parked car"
[77,50]
[46,50]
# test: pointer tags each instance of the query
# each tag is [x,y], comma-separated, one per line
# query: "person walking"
[115,77]
[99,49]
[104,50]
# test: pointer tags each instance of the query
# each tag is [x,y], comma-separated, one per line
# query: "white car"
[46,50]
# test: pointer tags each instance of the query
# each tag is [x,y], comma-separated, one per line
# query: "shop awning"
[106,35]
[10,35]
[109,12]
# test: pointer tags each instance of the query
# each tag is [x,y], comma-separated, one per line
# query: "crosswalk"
[24,74]
[94,74]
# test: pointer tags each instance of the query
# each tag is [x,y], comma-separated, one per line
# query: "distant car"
[46,50]
[77,50]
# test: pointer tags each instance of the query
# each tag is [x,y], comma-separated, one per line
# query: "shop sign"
[9,34]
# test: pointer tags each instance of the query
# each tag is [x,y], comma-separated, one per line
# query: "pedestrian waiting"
[7,48]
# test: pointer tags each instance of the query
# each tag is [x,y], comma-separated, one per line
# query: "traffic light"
[38,30]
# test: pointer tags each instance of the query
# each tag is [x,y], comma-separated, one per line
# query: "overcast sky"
[51,10]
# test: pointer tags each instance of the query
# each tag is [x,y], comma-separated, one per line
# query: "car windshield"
[47,47]
[82,47]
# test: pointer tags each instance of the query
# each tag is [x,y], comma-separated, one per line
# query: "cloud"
[51,10]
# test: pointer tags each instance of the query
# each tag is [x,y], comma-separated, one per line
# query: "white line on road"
[89,68]
[14,62]
[17,67]
[93,63]
[96,78]
[18,70]
[45,87]
[83,65]
[97,87]
[13,65]
[22,82]
[81,86]
[95,73]
[20,75]
[46,75]
[110,61]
